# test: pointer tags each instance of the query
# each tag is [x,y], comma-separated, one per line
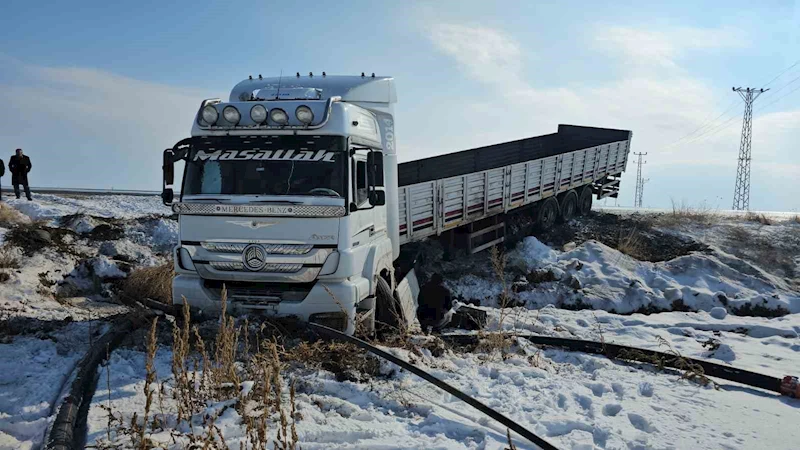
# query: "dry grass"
[689,370]
[740,235]
[150,379]
[630,243]
[758,218]
[500,341]
[9,259]
[511,445]
[208,378]
[154,283]
[10,217]
[683,213]
[795,219]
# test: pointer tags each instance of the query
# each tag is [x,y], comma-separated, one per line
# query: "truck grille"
[240,291]
[272,249]
[230,266]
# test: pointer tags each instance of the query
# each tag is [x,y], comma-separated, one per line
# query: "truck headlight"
[279,116]
[304,114]
[210,114]
[231,114]
[258,113]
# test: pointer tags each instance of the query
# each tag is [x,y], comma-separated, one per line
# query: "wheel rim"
[548,215]
[569,209]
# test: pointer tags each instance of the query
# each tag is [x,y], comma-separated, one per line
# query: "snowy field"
[734,300]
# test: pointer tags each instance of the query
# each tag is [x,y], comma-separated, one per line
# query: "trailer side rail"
[433,207]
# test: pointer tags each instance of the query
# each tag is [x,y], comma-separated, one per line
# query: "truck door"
[363,216]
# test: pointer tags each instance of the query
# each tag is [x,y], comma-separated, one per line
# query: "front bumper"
[326,299]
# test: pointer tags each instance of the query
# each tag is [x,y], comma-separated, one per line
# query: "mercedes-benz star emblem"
[254,257]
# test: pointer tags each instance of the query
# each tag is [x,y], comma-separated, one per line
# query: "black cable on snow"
[710,369]
[505,421]
[74,408]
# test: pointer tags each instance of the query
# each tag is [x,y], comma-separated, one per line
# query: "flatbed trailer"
[459,189]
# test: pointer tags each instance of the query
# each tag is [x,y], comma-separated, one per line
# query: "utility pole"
[641,191]
[637,199]
[741,193]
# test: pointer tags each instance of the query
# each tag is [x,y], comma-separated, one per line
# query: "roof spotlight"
[231,114]
[304,114]
[279,116]
[209,114]
[258,113]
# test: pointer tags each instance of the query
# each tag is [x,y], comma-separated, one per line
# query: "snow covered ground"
[47,206]
[574,400]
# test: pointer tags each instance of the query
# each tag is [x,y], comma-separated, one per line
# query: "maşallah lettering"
[266,155]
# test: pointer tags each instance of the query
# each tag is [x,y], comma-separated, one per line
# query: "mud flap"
[406,294]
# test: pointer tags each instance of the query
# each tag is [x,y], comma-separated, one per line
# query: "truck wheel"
[387,309]
[585,200]
[548,212]
[569,206]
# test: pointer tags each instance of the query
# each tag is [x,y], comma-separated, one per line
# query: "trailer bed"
[445,192]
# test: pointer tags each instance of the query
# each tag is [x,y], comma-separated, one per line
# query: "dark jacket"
[19,167]
[2,168]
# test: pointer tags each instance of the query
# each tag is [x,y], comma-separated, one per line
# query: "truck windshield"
[267,165]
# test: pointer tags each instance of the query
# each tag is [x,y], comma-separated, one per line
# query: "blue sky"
[95,90]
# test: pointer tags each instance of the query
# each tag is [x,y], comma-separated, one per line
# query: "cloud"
[659,105]
[88,127]
[661,48]
[486,54]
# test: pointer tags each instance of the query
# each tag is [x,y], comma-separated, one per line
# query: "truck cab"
[288,200]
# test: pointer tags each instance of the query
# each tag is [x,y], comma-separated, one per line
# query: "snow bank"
[46,206]
[603,278]
[161,234]
[32,374]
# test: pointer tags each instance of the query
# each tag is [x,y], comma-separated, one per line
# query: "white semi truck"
[293,200]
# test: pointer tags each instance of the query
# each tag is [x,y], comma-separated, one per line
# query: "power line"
[713,129]
[783,72]
[779,99]
[741,193]
[724,125]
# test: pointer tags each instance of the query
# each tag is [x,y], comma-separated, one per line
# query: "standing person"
[20,165]
[2,172]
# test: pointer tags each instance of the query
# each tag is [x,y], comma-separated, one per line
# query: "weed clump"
[9,259]
[683,213]
[758,218]
[154,283]
[10,217]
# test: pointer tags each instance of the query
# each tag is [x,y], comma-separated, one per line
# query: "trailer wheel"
[548,213]
[387,309]
[569,206]
[585,200]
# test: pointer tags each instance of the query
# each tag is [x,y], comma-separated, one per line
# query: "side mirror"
[167,195]
[375,168]
[168,167]
[377,198]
